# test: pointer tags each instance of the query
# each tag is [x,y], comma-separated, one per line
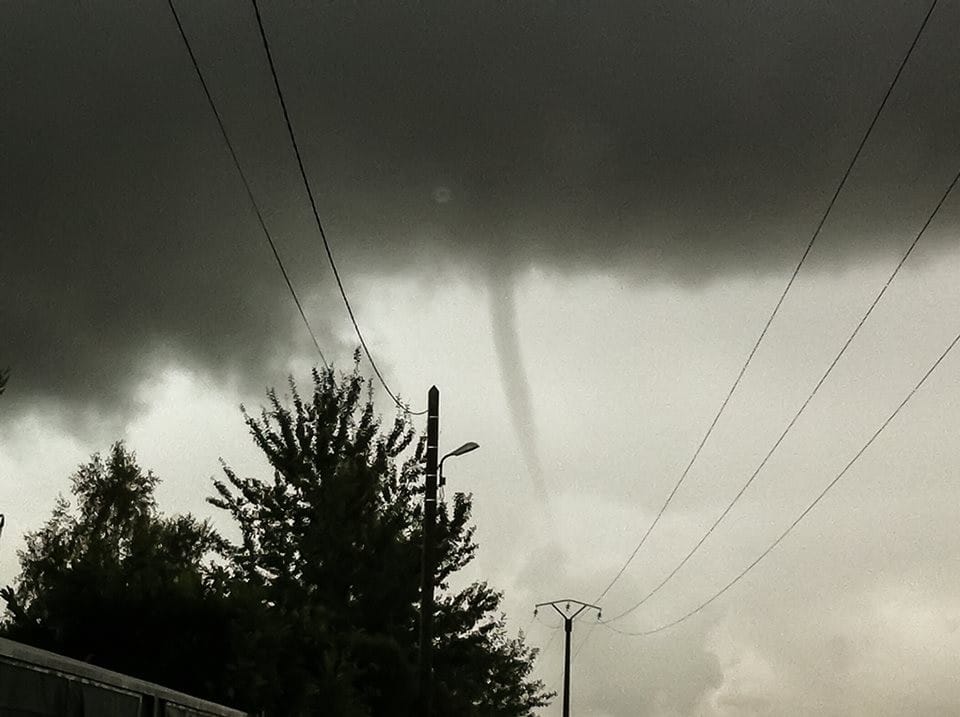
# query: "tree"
[313,611]
[111,581]
[332,544]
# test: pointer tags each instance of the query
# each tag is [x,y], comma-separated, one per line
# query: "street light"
[465,448]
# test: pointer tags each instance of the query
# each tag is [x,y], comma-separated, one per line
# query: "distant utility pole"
[568,618]
[426,568]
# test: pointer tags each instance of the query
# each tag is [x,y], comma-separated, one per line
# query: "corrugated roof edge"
[17,652]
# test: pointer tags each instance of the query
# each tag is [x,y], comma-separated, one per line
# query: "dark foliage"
[333,544]
[112,582]
[313,611]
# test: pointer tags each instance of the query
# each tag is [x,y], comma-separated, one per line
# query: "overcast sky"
[574,221]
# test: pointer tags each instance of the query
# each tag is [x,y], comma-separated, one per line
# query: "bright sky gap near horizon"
[574,221]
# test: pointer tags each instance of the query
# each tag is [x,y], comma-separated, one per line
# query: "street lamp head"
[465,448]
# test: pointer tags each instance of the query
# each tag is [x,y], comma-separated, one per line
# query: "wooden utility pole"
[427,568]
[569,615]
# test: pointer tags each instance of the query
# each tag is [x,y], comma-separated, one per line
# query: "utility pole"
[568,618]
[426,568]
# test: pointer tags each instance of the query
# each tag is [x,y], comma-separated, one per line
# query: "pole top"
[566,612]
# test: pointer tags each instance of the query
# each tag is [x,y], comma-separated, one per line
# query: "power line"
[553,636]
[802,408]
[583,641]
[776,308]
[526,628]
[554,631]
[593,626]
[316,216]
[246,184]
[547,625]
[802,515]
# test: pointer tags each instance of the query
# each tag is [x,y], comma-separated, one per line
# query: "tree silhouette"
[314,610]
[111,581]
[333,543]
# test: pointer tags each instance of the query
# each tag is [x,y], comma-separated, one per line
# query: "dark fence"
[37,683]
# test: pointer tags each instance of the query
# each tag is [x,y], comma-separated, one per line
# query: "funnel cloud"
[516,385]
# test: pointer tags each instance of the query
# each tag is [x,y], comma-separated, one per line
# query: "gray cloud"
[674,142]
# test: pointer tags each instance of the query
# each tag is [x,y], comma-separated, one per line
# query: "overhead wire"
[319,223]
[776,307]
[580,645]
[593,626]
[803,406]
[546,624]
[554,631]
[770,548]
[529,624]
[553,636]
[246,183]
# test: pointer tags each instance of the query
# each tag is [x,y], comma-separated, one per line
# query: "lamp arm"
[440,480]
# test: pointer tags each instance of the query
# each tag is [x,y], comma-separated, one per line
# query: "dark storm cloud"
[700,137]
[681,140]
